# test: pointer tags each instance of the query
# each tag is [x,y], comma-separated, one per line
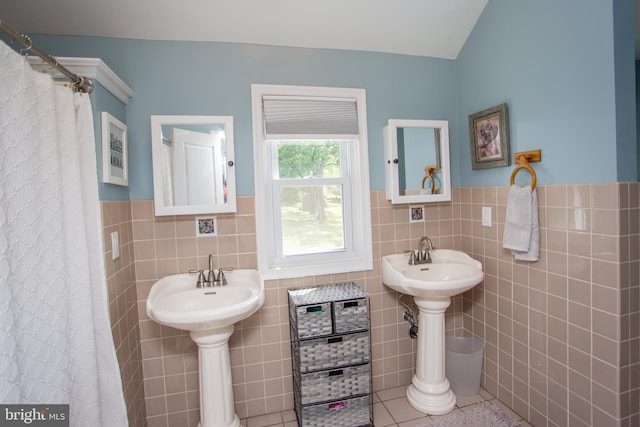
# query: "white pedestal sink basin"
[209,314]
[432,285]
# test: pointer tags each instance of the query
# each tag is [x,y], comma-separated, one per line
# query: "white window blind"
[285,115]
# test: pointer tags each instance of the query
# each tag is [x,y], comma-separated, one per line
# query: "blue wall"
[103,100]
[624,51]
[215,79]
[552,62]
[638,115]
[569,92]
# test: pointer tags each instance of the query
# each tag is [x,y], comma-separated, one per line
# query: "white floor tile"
[390,409]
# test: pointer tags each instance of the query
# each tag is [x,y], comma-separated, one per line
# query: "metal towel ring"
[428,171]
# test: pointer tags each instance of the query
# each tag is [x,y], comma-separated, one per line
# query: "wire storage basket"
[313,320]
[331,355]
[331,352]
[350,315]
[351,412]
[334,384]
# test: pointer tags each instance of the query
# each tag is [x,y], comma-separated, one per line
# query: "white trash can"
[463,364]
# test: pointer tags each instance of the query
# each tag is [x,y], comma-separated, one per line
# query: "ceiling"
[437,28]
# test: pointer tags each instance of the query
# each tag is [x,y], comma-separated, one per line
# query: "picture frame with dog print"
[489,137]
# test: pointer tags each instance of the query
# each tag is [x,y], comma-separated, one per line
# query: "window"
[313,213]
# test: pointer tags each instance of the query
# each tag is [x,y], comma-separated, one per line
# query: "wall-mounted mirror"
[417,161]
[193,164]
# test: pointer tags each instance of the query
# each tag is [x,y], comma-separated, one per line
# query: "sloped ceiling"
[436,28]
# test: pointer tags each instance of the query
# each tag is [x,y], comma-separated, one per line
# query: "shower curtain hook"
[25,51]
[53,65]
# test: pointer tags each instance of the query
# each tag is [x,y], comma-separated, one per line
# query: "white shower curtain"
[55,337]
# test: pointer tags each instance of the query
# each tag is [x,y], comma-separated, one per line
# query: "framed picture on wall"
[114,151]
[489,136]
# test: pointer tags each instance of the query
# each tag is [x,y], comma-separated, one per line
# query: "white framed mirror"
[417,161]
[193,164]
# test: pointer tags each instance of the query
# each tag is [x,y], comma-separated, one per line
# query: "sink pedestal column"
[430,391]
[216,387]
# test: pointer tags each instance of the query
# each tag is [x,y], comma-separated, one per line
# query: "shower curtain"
[56,345]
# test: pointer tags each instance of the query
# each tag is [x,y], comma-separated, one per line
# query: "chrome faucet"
[422,255]
[211,279]
[211,276]
[214,279]
[426,240]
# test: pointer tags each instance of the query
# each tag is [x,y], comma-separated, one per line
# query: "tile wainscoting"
[562,334]
[123,307]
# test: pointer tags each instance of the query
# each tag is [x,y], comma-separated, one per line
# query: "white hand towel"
[521,228]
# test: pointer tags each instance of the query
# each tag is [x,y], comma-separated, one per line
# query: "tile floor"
[390,409]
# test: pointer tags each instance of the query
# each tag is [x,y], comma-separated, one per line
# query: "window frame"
[359,256]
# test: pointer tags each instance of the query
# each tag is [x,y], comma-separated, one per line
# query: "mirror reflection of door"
[198,167]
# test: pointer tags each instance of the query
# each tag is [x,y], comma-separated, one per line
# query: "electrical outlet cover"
[115,245]
[486,216]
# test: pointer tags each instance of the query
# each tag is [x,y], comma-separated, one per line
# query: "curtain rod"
[78,83]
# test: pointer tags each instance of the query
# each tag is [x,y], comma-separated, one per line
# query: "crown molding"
[93,68]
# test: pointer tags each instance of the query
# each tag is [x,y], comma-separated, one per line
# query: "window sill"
[316,269]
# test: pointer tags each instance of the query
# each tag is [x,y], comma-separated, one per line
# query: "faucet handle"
[201,280]
[221,279]
[412,258]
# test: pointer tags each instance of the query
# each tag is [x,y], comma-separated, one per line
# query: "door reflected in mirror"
[417,161]
[193,165]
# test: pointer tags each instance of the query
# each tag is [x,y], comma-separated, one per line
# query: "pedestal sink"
[209,314]
[432,285]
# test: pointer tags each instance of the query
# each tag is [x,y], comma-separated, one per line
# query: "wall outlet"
[115,245]
[486,216]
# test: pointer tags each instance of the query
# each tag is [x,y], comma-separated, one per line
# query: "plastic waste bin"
[463,364]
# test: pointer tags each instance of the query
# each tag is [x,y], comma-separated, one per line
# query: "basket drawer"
[325,353]
[313,320]
[345,413]
[334,384]
[351,315]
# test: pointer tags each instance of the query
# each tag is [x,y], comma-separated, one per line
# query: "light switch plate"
[115,245]
[486,216]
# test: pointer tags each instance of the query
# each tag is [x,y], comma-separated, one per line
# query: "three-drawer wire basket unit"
[331,355]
